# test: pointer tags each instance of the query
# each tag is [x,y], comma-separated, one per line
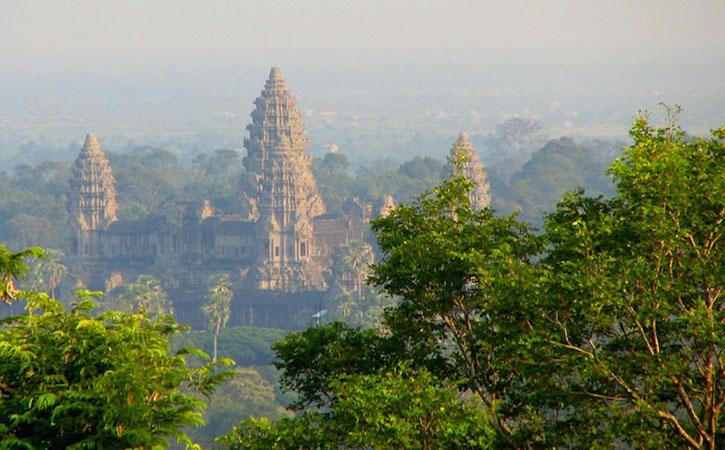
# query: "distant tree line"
[526,173]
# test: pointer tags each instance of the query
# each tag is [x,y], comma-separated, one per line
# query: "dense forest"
[598,323]
[527,173]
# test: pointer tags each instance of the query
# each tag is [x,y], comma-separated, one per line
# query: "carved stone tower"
[285,191]
[92,203]
[472,169]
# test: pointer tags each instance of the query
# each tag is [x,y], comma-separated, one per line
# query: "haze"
[389,70]
[87,34]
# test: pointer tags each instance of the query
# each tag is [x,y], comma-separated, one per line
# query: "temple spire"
[91,146]
[471,168]
[285,193]
[275,74]
[92,203]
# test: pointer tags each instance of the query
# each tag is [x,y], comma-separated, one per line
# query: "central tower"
[92,202]
[285,191]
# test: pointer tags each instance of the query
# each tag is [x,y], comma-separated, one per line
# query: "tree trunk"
[216,338]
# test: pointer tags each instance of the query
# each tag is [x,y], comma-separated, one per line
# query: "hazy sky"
[87,34]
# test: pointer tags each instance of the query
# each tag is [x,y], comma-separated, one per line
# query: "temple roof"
[275,74]
[92,201]
[146,225]
[91,146]
[275,84]
[463,142]
[470,167]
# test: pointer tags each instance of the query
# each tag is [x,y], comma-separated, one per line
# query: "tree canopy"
[146,295]
[71,380]
[606,329]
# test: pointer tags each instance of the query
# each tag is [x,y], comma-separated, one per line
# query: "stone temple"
[93,190]
[278,253]
[471,168]
[285,193]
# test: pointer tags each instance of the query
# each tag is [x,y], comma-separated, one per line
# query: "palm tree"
[145,295]
[216,310]
[47,274]
[345,305]
[356,257]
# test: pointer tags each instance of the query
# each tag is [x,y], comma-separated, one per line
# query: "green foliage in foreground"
[607,330]
[13,267]
[397,408]
[252,392]
[69,380]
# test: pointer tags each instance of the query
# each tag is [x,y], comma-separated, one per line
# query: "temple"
[470,167]
[92,205]
[285,192]
[278,253]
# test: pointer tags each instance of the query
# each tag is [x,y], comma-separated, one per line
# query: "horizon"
[153,72]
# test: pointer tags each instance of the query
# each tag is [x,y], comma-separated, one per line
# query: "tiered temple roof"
[286,193]
[471,168]
[92,204]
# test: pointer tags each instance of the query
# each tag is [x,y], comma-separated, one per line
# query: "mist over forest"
[374,116]
[368,112]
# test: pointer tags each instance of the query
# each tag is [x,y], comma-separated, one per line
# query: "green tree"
[46,274]
[334,164]
[366,312]
[606,330]
[350,267]
[344,305]
[402,408]
[247,346]
[409,180]
[215,177]
[32,207]
[559,166]
[313,358]
[353,260]
[145,295]
[149,177]
[422,168]
[392,409]
[512,144]
[332,179]
[216,309]
[68,380]
[247,394]
[454,270]
[24,230]
[633,316]
[13,267]
[310,360]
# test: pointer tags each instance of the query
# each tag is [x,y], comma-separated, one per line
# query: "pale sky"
[87,34]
